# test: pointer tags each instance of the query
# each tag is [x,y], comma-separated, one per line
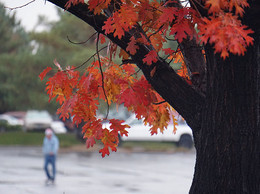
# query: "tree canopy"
[141,29]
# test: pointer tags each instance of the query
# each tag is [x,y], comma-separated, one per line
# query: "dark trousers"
[50,159]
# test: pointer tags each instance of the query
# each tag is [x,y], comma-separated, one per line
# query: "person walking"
[50,149]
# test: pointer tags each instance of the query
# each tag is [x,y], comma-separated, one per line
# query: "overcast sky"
[28,15]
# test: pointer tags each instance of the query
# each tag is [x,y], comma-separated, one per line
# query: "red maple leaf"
[73,2]
[44,72]
[102,39]
[124,97]
[90,142]
[132,47]
[108,26]
[168,14]
[226,33]
[168,51]
[182,30]
[129,68]
[121,21]
[117,126]
[98,5]
[150,58]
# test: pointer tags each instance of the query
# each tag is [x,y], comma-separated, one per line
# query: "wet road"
[21,172]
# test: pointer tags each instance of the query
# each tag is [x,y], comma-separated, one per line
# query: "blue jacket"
[50,145]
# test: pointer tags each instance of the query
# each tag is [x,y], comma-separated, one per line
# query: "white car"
[58,127]
[140,132]
[37,120]
[10,120]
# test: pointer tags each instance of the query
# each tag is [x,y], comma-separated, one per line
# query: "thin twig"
[170,39]
[177,50]
[155,32]
[196,7]
[202,6]
[83,41]
[135,72]
[102,76]
[18,7]
[171,54]
[126,61]
[88,59]
[158,103]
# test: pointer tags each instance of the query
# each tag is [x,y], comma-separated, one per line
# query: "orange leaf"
[121,21]
[153,71]
[102,38]
[118,127]
[104,151]
[73,2]
[90,142]
[98,5]
[214,5]
[123,54]
[226,33]
[45,71]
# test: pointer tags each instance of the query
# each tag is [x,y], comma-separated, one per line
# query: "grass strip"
[35,139]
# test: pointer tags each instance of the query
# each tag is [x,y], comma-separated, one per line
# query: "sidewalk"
[21,172]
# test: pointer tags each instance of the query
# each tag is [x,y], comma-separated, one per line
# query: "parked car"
[140,132]
[9,123]
[37,120]
[10,120]
[19,115]
[58,127]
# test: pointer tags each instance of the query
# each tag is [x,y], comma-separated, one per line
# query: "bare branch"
[158,103]
[88,59]
[83,41]
[127,61]
[135,73]
[18,7]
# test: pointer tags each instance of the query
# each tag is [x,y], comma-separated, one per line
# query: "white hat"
[48,131]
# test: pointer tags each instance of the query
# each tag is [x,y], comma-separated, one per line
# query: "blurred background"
[31,38]
[29,46]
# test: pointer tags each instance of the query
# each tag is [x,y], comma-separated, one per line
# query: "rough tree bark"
[224,116]
[228,143]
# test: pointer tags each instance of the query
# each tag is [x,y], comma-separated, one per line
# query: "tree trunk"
[226,125]
[228,143]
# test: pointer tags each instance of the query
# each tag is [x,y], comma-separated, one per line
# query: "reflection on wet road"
[21,172]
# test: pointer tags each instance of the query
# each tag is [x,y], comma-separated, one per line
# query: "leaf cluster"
[79,97]
[142,29]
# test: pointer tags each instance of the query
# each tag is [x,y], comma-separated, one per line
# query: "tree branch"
[176,91]
[83,42]
[91,57]
[102,76]
[12,8]
[193,56]
[196,63]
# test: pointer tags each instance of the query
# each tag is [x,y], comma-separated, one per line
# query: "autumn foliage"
[79,92]
[78,96]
